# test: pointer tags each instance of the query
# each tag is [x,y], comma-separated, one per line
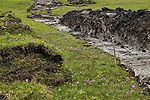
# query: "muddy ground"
[131,31]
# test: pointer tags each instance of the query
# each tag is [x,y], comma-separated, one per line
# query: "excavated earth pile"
[128,27]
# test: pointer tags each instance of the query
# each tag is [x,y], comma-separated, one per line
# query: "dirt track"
[130,48]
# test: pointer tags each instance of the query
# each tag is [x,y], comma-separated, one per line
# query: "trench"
[133,56]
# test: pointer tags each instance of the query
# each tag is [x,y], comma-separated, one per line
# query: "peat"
[128,27]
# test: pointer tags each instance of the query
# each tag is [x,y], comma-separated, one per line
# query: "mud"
[32,62]
[129,28]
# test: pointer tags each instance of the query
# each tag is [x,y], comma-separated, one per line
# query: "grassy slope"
[113,4]
[93,74]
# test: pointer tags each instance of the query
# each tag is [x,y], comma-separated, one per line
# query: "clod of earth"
[32,62]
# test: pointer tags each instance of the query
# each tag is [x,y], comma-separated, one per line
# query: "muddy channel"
[132,52]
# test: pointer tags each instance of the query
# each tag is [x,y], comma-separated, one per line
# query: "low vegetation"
[40,62]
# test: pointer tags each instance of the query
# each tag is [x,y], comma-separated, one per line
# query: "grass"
[112,4]
[93,72]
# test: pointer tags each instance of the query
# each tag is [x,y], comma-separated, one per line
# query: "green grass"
[93,72]
[113,4]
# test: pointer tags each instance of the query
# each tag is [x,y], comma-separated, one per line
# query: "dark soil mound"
[128,27]
[32,62]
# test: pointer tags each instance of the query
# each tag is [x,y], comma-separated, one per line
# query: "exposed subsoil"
[32,62]
[130,30]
